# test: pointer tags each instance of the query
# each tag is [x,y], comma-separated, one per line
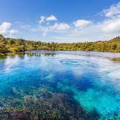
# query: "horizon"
[60,21]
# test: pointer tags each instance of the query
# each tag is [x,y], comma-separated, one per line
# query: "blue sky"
[60,20]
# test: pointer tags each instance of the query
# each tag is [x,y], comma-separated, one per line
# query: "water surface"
[90,80]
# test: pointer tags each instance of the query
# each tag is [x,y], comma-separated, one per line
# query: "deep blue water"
[92,78]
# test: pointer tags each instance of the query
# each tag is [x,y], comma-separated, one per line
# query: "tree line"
[20,45]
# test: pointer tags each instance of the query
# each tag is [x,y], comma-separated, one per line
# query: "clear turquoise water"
[94,81]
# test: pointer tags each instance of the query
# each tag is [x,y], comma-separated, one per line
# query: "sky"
[60,21]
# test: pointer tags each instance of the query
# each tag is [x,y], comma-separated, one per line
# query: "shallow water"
[91,79]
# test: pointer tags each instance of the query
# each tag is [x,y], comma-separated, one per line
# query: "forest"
[21,45]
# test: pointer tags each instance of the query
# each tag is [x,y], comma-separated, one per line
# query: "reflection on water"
[59,85]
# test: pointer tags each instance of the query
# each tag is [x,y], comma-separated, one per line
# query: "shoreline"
[108,55]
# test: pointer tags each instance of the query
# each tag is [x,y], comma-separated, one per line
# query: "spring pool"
[90,80]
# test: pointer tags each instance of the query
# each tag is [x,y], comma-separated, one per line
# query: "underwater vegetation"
[42,104]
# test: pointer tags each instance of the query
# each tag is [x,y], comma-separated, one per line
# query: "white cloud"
[45,19]
[51,18]
[111,25]
[113,10]
[60,26]
[29,28]
[4,27]
[42,19]
[13,31]
[57,27]
[81,23]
